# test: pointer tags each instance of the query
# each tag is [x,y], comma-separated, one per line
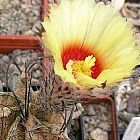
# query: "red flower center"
[78,53]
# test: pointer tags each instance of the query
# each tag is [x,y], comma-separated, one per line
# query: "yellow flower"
[91,44]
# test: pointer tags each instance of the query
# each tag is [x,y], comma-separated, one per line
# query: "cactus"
[38,115]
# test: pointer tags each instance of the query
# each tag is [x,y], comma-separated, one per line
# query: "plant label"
[133,130]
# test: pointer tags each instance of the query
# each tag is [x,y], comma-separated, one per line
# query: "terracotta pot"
[111,104]
[8,43]
[45,8]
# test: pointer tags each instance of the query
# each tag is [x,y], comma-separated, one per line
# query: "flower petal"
[65,75]
[94,28]
[69,66]
[86,81]
[112,75]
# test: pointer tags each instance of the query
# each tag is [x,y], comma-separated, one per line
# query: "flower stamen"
[83,67]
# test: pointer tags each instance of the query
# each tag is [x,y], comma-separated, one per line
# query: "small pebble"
[105,126]
[126,116]
[132,105]
[91,110]
[99,134]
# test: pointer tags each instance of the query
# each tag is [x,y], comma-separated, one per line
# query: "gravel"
[128,99]
[97,122]
[21,57]
[20,17]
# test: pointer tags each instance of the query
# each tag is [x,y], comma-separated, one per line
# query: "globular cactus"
[38,115]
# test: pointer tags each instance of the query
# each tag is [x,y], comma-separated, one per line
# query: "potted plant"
[83,58]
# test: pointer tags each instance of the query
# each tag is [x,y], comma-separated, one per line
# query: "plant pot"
[45,8]
[12,45]
[110,108]
[8,43]
[87,99]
